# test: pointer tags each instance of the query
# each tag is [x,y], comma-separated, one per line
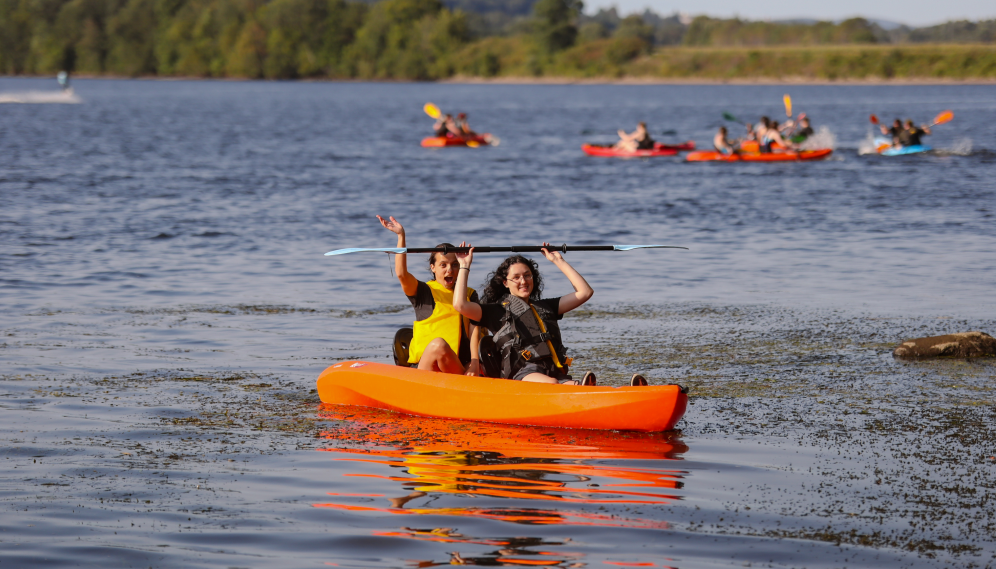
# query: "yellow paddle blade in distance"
[432,110]
[788,105]
[473,143]
[944,117]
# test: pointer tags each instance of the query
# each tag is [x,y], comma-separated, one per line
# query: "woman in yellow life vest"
[443,340]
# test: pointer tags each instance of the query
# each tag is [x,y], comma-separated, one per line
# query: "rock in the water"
[963,345]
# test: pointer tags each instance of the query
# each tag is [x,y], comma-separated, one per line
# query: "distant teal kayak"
[887,150]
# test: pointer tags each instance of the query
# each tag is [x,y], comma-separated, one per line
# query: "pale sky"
[913,13]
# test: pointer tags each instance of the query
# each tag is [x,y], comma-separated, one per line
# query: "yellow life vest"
[444,322]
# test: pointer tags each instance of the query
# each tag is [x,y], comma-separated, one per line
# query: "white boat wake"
[67,97]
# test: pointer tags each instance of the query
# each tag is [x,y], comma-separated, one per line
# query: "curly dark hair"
[494,287]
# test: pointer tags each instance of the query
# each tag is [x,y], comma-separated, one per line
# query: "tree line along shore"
[427,40]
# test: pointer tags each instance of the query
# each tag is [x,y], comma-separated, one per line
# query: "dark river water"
[165,309]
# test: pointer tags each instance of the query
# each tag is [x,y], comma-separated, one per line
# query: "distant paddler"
[63,79]
[639,139]
[446,126]
[768,135]
[721,143]
[907,135]
[910,134]
[457,129]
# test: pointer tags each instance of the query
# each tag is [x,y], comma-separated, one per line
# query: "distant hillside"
[956,32]
[507,17]
[508,7]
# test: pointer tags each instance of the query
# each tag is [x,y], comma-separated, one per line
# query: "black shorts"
[546,367]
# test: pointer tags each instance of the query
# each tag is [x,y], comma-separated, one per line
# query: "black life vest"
[522,339]
[646,143]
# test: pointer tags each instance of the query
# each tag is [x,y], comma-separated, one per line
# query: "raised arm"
[582,290]
[409,283]
[465,307]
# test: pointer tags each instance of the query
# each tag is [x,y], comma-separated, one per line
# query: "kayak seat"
[402,340]
[489,354]
[490,357]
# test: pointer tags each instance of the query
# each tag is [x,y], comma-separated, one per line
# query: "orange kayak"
[435,394]
[754,146]
[658,150]
[442,141]
[802,155]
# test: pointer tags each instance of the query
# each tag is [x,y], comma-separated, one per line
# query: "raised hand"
[392,225]
[464,259]
[553,256]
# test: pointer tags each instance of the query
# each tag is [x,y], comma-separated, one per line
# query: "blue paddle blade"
[397,250]
[631,247]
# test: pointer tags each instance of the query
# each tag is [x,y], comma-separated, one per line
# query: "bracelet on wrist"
[464,268]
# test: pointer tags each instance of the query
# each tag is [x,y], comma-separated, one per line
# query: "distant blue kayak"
[890,151]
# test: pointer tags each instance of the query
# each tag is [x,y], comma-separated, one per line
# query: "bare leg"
[439,356]
[541,378]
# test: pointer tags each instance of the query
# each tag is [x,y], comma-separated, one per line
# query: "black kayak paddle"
[506,249]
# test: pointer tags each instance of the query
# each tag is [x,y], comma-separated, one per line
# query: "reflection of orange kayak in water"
[441,141]
[434,394]
[658,150]
[802,155]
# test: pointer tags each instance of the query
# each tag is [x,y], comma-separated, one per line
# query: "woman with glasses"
[525,326]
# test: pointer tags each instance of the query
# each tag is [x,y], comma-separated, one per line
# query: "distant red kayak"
[803,155]
[658,150]
[442,141]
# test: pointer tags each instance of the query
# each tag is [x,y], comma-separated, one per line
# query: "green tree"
[554,23]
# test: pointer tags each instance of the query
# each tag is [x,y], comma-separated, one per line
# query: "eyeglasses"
[521,279]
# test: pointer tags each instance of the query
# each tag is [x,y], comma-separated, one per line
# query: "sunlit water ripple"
[167,308]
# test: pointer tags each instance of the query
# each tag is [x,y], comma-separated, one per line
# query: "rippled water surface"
[166,308]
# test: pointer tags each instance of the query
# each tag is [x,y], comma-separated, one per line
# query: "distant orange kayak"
[658,150]
[434,394]
[442,141]
[802,155]
[754,146]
